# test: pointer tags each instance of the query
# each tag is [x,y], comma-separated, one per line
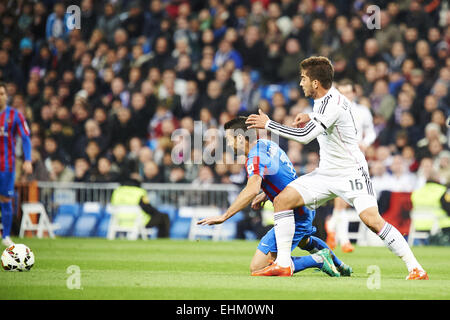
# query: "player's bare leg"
[393,239]
[261,260]
[284,227]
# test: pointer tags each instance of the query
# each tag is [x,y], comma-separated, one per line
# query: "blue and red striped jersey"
[269,161]
[12,122]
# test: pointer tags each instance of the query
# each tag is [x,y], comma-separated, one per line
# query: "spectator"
[82,170]
[177,175]
[388,33]
[292,58]
[214,100]
[56,26]
[141,115]
[191,100]
[225,53]
[228,86]
[122,127]
[60,172]
[400,179]
[380,177]
[108,22]
[272,63]
[52,150]
[152,173]
[134,21]
[205,176]
[40,172]
[103,171]
[251,48]
[161,58]
[88,18]
[248,94]
[9,71]
[92,152]
[92,131]
[432,132]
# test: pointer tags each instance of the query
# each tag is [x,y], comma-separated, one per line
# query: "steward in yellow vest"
[131,193]
[430,196]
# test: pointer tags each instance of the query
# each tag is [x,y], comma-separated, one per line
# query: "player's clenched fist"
[257,121]
[301,119]
[259,201]
[27,167]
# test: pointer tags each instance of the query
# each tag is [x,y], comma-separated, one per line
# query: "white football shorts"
[353,186]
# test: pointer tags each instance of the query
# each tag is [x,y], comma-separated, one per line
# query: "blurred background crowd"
[102,101]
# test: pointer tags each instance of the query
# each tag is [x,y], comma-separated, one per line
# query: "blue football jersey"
[269,161]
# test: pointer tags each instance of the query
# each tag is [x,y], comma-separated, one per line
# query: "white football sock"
[330,224]
[394,240]
[284,233]
[342,226]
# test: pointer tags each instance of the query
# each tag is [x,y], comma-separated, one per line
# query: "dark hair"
[320,69]
[236,123]
[346,82]
[3,84]
[239,124]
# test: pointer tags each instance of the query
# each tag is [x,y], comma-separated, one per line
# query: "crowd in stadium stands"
[102,101]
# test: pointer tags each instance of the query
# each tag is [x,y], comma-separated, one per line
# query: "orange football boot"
[347,247]
[417,274]
[331,240]
[331,236]
[273,269]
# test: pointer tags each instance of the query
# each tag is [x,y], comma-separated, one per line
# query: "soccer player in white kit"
[342,171]
[337,225]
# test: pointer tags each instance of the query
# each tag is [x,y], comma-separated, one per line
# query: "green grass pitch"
[207,270]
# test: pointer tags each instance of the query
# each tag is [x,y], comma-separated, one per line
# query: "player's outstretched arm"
[243,200]
[303,135]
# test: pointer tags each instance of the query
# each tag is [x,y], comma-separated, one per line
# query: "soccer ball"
[18,257]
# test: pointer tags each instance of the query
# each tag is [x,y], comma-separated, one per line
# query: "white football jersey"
[339,143]
[333,124]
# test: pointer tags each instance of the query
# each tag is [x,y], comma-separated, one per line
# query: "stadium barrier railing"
[53,194]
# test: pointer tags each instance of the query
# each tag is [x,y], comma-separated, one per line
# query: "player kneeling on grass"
[270,169]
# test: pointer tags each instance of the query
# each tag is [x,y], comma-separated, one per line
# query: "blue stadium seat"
[237,217]
[250,235]
[69,208]
[94,208]
[102,228]
[229,230]
[179,228]
[171,210]
[65,223]
[268,91]
[90,216]
[106,210]
[66,216]
[285,90]
[85,225]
